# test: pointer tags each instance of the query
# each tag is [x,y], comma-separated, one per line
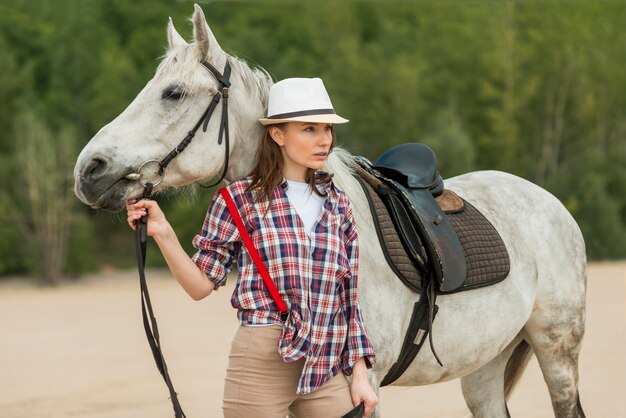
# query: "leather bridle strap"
[224,80]
[221,94]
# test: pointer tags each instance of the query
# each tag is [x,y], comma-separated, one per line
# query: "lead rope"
[141,232]
[149,321]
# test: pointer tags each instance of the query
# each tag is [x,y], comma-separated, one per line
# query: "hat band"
[303,113]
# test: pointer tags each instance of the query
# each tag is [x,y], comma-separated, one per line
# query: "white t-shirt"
[305,202]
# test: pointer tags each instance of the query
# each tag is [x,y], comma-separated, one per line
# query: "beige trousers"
[259,384]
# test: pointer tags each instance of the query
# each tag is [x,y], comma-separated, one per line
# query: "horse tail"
[515,366]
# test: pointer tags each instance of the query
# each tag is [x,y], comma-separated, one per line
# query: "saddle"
[435,242]
[412,184]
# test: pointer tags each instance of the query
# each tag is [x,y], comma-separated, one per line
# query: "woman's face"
[303,145]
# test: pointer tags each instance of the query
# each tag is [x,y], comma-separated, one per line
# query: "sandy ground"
[80,351]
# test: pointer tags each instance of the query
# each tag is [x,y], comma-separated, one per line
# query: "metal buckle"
[159,173]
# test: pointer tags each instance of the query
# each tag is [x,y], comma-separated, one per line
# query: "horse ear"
[203,36]
[174,39]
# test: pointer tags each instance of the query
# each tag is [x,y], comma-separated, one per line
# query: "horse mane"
[186,60]
[340,162]
[253,76]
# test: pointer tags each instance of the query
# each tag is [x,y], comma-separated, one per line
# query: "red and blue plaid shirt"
[315,275]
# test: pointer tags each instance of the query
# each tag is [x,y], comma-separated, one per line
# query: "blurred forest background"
[535,88]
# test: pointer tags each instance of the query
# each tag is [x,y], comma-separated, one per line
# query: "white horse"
[484,336]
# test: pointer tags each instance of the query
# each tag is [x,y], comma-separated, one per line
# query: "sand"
[79,350]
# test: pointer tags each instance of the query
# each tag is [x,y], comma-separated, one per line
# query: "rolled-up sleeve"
[218,243]
[357,342]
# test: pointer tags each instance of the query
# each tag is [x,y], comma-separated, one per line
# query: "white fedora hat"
[300,100]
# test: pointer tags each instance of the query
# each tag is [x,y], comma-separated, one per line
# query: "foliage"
[535,88]
[40,203]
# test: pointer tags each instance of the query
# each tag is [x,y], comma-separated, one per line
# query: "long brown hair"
[268,172]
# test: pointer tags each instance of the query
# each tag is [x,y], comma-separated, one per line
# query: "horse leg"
[485,390]
[556,338]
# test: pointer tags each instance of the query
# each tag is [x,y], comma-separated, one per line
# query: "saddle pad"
[485,254]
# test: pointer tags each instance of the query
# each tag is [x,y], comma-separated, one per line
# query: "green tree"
[42,203]
[534,88]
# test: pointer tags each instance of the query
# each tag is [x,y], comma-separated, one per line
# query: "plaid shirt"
[315,275]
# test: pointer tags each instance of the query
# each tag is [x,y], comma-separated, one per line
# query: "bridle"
[221,94]
[149,321]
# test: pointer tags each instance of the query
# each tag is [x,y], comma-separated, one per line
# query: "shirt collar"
[325,185]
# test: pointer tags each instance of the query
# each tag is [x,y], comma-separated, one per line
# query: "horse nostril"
[95,169]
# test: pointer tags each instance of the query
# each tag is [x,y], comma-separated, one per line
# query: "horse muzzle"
[100,186]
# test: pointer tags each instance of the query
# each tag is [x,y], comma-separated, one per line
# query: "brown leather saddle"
[435,242]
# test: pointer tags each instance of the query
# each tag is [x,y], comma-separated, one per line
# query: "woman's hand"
[186,272]
[360,389]
[157,223]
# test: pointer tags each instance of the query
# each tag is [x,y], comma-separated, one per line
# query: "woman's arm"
[358,345]
[186,272]
[358,353]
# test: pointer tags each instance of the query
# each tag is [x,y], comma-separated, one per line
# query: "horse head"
[125,154]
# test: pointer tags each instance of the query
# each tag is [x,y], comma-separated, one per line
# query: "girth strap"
[419,328]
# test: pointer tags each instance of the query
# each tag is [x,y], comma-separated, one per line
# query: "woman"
[302,226]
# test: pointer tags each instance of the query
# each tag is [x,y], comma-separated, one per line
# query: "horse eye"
[172,93]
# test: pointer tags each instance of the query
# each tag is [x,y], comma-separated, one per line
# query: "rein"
[141,229]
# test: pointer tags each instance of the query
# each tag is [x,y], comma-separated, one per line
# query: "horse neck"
[250,89]
[340,163]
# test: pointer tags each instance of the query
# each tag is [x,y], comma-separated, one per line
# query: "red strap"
[234,212]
